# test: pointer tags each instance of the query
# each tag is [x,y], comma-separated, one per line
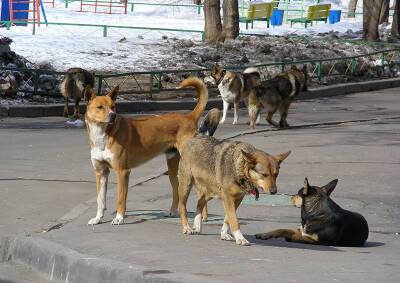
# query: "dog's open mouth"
[255,192]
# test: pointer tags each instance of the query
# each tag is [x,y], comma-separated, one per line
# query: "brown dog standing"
[226,170]
[123,143]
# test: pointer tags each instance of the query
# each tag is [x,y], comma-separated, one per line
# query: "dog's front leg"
[225,235]
[123,180]
[235,113]
[102,173]
[279,233]
[224,111]
[230,206]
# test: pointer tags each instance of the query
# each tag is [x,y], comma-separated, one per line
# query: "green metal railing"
[105,28]
[133,3]
[157,80]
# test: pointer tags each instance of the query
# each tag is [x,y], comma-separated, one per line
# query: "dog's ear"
[282,156]
[294,67]
[88,94]
[114,92]
[249,158]
[306,186]
[328,188]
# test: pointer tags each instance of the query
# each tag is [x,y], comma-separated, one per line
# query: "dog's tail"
[251,70]
[210,122]
[202,94]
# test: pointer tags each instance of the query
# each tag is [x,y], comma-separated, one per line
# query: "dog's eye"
[265,175]
[100,107]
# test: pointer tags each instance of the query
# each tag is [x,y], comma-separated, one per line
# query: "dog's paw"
[242,242]
[222,121]
[234,122]
[173,214]
[227,237]
[264,236]
[187,230]
[117,220]
[94,221]
[197,224]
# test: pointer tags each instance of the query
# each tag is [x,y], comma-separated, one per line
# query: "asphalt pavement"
[47,184]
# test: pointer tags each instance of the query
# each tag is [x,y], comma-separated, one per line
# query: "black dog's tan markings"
[323,222]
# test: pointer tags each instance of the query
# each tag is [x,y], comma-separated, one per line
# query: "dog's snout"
[273,190]
[111,117]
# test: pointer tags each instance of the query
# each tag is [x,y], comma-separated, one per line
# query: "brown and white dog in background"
[235,87]
[73,86]
[122,143]
[277,94]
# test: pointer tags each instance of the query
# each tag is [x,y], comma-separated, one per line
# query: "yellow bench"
[259,12]
[318,12]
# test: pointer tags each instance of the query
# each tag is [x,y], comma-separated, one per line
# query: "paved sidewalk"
[362,151]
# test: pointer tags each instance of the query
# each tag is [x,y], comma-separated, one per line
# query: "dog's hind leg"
[224,111]
[102,174]
[185,185]
[123,179]
[65,113]
[173,164]
[270,120]
[235,113]
[76,109]
[201,205]
[284,110]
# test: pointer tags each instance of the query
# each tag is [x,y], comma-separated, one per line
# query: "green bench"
[318,12]
[259,12]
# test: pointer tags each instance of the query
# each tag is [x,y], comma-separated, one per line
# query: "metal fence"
[46,82]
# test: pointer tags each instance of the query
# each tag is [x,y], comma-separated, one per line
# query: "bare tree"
[371,14]
[395,23]
[212,26]
[231,19]
[352,8]
[384,16]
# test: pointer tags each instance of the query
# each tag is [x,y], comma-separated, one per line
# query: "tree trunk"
[371,15]
[395,24]
[384,16]
[212,26]
[352,9]
[231,19]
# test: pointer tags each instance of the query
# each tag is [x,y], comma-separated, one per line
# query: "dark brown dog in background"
[277,94]
[73,87]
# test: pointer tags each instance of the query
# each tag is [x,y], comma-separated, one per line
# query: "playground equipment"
[17,12]
[104,6]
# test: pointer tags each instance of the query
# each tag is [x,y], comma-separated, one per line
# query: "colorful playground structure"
[22,12]
[104,6]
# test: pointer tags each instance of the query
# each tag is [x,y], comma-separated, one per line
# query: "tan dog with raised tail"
[122,143]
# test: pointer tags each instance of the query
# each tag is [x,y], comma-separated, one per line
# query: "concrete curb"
[63,264]
[140,106]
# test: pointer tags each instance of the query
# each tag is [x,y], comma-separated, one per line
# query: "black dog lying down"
[323,222]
